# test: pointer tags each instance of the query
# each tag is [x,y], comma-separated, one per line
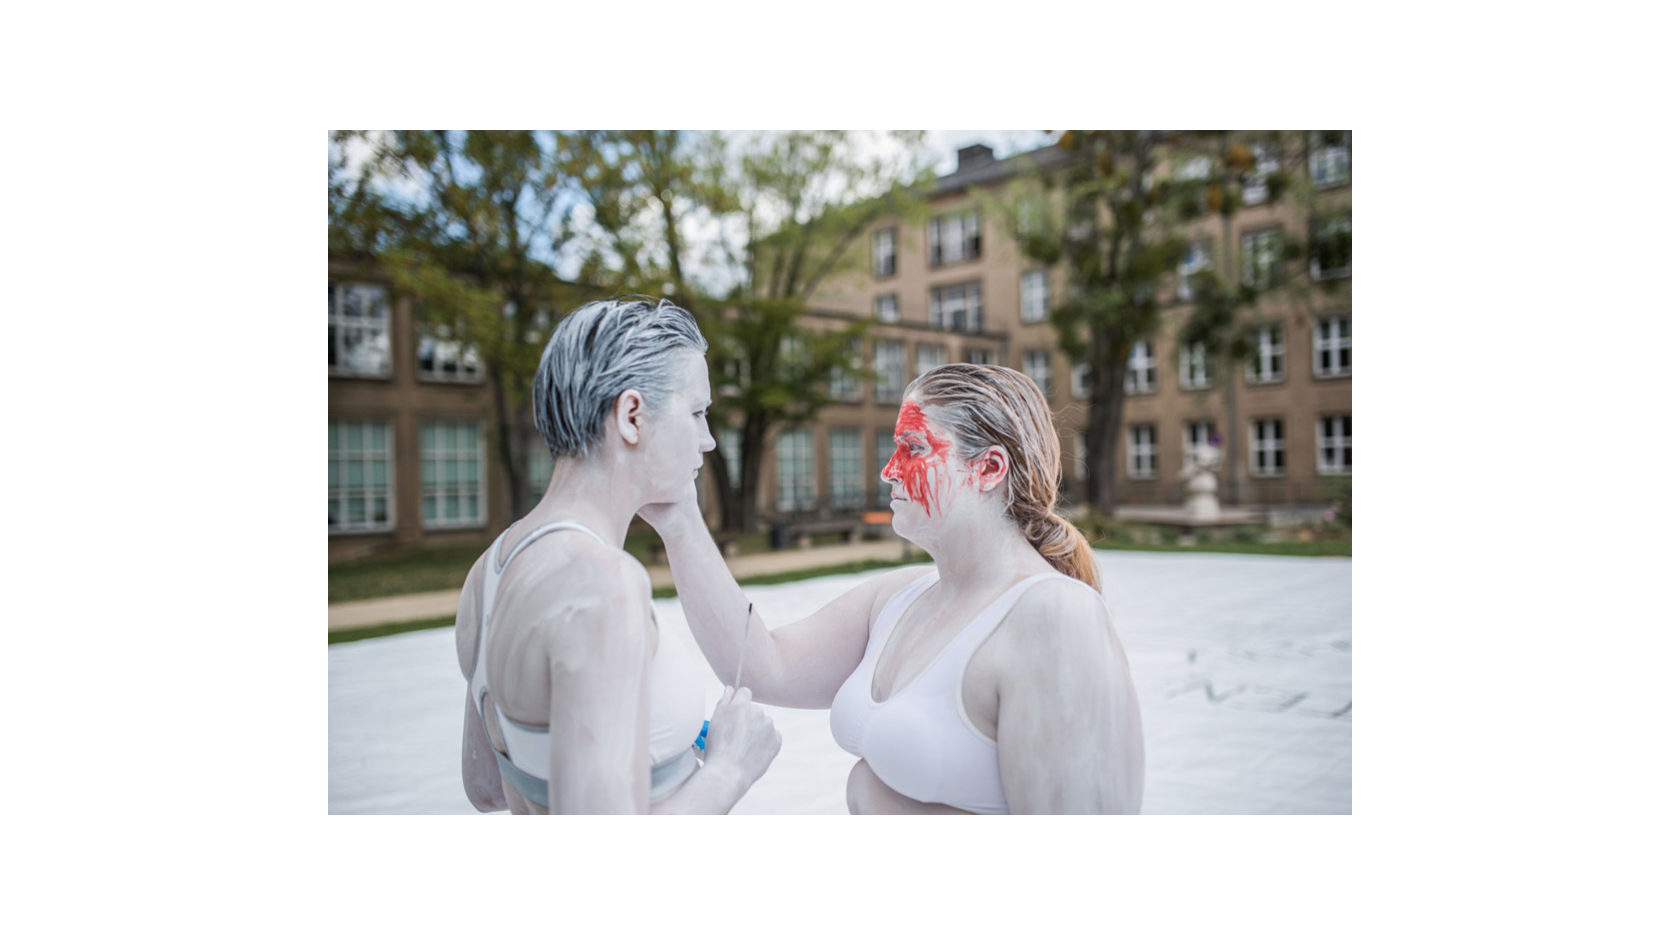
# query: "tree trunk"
[729,504]
[753,436]
[1102,435]
[514,475]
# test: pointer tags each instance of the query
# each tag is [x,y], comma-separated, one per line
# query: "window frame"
[1340,441]
[1148,366]
[890,268]
[1248,253]
[1189,356]
[1140,454]
[340,454]
[1321,235]
[440,491]
[1041,298]
[877,309]
[1320,155]
[339,323]
[464,353]
[885,391]
[968,236]
[801,501]
[1258,445]
[1197,257]
[940,305]
[1339,346]
[1037,365]
[840,497]
[1264,351]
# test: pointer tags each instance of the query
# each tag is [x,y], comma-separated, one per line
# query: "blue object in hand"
[700,741]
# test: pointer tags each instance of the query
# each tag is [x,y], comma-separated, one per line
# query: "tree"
[1100,209]
[1225,299]
[468,225]
[791,209]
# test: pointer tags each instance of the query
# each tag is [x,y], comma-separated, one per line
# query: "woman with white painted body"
[574,703]
[992,681]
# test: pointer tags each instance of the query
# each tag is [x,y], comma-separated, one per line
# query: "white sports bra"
[676,697]
[920,741]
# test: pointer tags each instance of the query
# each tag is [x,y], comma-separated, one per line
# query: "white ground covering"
[1243,665]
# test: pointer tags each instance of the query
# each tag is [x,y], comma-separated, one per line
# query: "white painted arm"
[1069,736]
[801,664]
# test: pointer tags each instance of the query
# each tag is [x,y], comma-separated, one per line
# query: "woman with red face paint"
[992,681]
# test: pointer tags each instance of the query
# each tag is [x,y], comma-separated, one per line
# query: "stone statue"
[1201,485]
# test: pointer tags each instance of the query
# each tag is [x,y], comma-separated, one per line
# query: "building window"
[1262,257]
[884,447]
[1265,452]
[1335,445]
[889,371]
[845,468]
[1265,366]
[1331,253]
[1255,183]
[1195,260]
[1140,369]
[358,330]
[440,359]
[1197,434]
[886,308]
[842,383]
[954,238]
[1333,347]
[977,355]
[1036,365]
[885,243]
[1193,371]
[929,357]
[358,477]
[796,486]
[956,307]
[451,480]
[1328,158]
[1081,459]
[1080,382]
[1140,451]
[1035,295]
[729,448]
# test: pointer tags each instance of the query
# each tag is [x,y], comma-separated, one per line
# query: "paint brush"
[742,660]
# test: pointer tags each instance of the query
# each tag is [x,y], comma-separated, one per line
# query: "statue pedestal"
[1201,499]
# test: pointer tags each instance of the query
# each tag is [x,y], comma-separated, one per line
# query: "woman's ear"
[629,414]
[991,468]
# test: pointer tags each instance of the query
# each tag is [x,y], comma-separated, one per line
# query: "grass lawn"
[442,569]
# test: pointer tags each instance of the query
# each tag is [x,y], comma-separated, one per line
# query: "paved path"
[442,604]
[1243,666]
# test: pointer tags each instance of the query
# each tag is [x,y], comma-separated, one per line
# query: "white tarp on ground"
[1243,665]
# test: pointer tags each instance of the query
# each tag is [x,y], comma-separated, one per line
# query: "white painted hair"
[598,352]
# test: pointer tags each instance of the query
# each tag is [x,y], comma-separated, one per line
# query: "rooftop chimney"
[974,155]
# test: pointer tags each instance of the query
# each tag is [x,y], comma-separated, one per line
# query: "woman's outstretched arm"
[801,664]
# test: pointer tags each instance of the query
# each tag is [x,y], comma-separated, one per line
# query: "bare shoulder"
[572,590]
[1058,620]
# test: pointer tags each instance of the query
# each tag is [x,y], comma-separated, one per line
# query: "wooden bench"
[801,532]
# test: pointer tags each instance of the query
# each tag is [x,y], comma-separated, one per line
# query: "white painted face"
[678,437]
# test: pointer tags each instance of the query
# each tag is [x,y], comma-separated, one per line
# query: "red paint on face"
[919,460]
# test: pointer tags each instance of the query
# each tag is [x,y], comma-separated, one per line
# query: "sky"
[938,148]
